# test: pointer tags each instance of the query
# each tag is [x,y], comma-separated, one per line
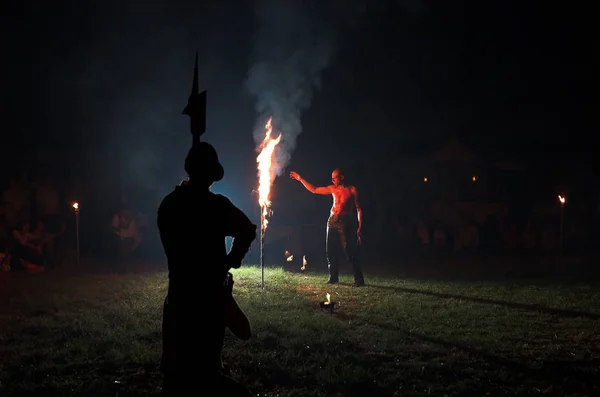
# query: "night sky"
[395,77]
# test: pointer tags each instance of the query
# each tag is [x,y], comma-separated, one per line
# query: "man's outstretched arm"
[310,187]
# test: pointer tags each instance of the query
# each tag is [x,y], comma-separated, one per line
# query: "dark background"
[104,83]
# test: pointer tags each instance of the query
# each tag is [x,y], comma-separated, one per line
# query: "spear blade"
[196,107]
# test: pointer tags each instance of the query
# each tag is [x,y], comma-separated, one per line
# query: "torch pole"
[262,249]
[560,241]
[77,235]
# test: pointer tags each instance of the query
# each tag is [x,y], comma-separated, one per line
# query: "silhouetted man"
[340,232]
[193,223]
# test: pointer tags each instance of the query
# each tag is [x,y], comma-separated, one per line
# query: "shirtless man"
[339,224]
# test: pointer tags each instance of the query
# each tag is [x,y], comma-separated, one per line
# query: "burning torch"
[265,180]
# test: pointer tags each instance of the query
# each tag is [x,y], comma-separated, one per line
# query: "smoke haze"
[293,44]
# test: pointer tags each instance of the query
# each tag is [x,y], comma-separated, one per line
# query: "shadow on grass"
[514,305]
[272,375]
[576,375]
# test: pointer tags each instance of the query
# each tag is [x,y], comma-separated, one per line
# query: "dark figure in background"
[46,240]
[340,232]
[126,229]
[193,223]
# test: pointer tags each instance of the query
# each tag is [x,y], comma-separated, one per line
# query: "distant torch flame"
[75,206]
[265,171]
[290,258]
[562,199]
[303,263]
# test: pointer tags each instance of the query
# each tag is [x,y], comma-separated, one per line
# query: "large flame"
[265,171]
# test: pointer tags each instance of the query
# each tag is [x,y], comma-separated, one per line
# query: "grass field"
[99,335]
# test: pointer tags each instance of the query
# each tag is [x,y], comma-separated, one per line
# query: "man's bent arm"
[243,231]
[359,212]
[240,245]
[315,190]
[360,217]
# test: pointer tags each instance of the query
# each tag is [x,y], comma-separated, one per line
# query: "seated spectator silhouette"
[193,223]
[46,239]
[47,205]
[15,197]
[48,210]
[27,250]
[4,240]
[125,227]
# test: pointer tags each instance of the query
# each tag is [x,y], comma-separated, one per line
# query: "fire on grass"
[290,257]
[266,174]
[328,304]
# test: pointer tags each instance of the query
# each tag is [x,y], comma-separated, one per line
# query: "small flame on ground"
[303,263]
[328,301]
[265,171]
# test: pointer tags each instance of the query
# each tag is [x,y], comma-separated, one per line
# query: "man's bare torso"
[343,200]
